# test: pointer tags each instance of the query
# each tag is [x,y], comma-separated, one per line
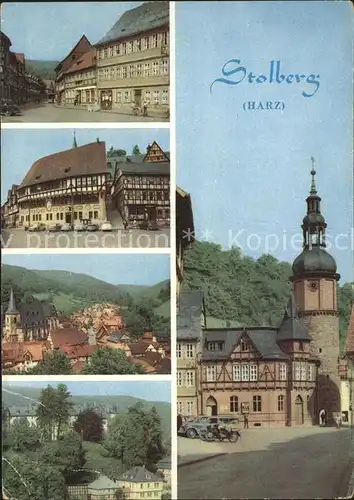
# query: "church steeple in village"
[74,141]
[12,305]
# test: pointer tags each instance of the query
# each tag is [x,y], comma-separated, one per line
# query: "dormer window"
[215,346]
[67,170]
[38,177]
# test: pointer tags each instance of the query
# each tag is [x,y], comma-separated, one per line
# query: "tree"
[137,438]
[108,361]
[53,411]
[23,436]
[25,479]
[66,454]
[136,150]
[89,424]
[120,494]
[54,363]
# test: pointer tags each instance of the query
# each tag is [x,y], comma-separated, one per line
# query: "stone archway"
[212,406]
[299,411]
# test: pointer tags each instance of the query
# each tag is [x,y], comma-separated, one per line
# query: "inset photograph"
[86,440]
[96,62]
[85,189]
[85,314]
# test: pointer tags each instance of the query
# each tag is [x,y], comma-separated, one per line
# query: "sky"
[36,143]
[248,172]
[118,269]
[150,391]
[48,31]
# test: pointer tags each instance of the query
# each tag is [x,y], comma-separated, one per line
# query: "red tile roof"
[83,160]
[349,348]
[138,348]
[85,61]
[78,366]
[78,351]
[20,58]
[82,46]
[164,366]
[14,351]
[68,336]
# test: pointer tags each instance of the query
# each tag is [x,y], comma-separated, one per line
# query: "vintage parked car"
[106,226]
[79,226]
[153,225]
[92,227]
[66,227]
[198,426]
[8,108]
[37,227]
[53,228]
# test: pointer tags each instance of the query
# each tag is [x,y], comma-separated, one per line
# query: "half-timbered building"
[141,188]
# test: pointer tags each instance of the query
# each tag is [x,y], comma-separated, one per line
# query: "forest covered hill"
[44,69]
[70,292]
[242,291]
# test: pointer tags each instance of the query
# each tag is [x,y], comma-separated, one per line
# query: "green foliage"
[89,425]
[136,150]
[242,291]
[25,479]
[108,361]
[98,459]
[23,436]
[140,317]
[120,494]
[116,152]
[54,411]
[44,69]
[137,438]
[54,363]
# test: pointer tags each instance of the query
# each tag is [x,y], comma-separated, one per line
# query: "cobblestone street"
[18,238]
[51,113]
[275,463]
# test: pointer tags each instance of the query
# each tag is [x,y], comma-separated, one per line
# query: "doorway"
[212,406]
[68,218]
[151,213]
[137,97]
[299,411]
[106,99]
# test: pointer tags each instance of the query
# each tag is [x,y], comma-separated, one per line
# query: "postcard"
[264,218]
[85,62]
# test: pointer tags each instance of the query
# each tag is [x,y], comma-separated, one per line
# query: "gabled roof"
[349,346]
[292,327]
[263,339]
[139,474]
[146,17]
[20,58]
[154,150]
[82,46]
[86,61]
[103,483]
[83,160]
[68,336]
[145,168]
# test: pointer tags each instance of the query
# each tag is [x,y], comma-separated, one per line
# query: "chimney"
[98,140]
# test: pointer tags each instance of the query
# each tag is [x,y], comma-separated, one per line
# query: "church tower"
[12,331]
[315,288]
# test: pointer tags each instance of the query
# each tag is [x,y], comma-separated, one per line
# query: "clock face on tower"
[313,286]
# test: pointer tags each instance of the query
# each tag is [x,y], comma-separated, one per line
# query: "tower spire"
[12,306]
[313,189]
[74,141]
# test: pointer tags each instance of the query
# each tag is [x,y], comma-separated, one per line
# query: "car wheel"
[191,433]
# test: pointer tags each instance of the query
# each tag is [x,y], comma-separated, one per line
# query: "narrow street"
[50,113]
[276,463]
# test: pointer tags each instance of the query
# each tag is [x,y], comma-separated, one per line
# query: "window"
[180,407]
[139,68]
[257,403]
[211,373]
[190,378]
[311,372]
[156,96]
[253,373]
[164,66]
[282,371]
[179,379]
[236,373]
[147,95]
[118,96]
[301,346]
[303,371]
[127,96]
[280,403]
[155,68]
[234,404]
[190,407]
[164,98]
[245,372]
[214,346]
[190,350]
[146,69]
[179,351]
[297,371]
[95,214]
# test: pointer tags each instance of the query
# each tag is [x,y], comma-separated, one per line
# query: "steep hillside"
[44,69]
[242,291]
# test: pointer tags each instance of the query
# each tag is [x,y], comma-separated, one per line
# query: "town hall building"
[278,376]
